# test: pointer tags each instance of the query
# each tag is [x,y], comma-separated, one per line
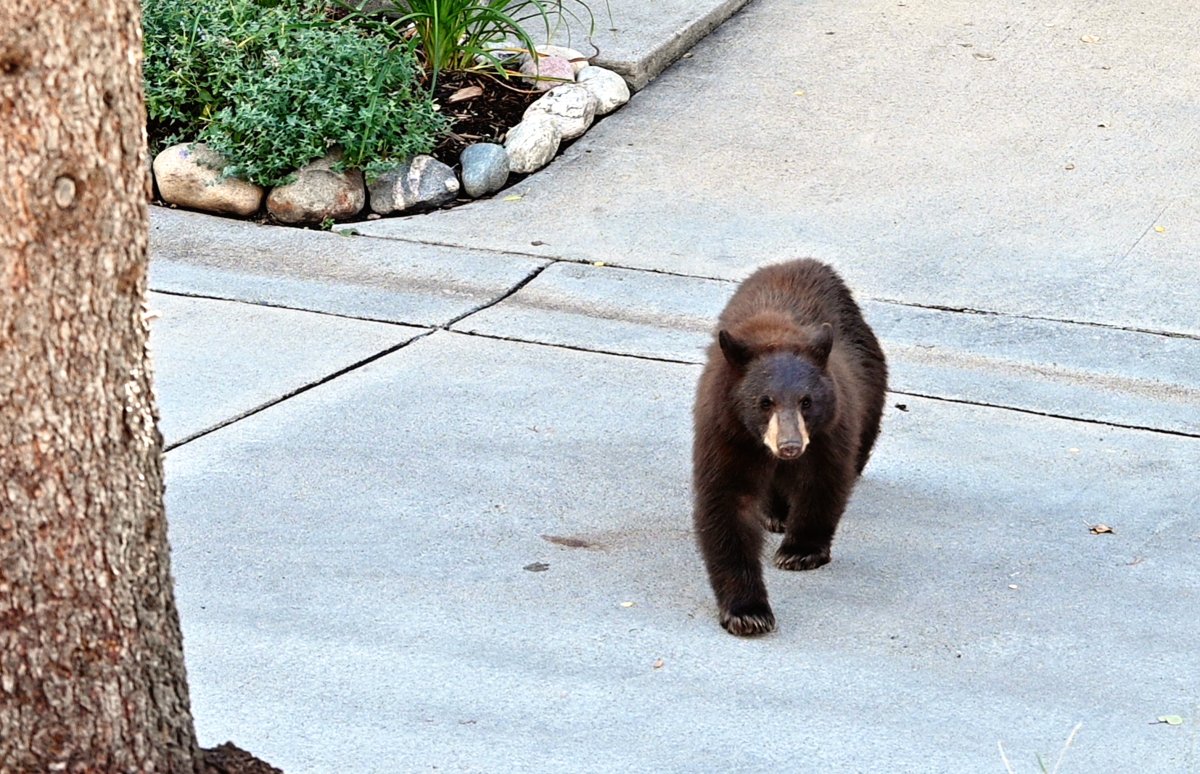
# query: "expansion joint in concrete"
[570,348]
[289,307]
[530,277]
[1048,414]
[299,390]
[1032,317]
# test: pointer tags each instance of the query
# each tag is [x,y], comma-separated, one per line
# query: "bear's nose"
[790,451]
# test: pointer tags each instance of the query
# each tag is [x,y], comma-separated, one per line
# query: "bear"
[787,411]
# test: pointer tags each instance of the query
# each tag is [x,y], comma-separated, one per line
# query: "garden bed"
[304,114]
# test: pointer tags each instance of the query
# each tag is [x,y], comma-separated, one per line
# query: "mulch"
[490,108]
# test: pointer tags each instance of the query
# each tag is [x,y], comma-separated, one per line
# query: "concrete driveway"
[428,487]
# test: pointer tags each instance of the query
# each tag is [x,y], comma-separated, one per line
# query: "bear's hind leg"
[875,379]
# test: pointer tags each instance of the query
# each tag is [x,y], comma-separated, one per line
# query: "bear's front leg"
[731,540]
[817,498]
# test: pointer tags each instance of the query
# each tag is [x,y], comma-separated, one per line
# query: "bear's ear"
[736,352]
[820,343]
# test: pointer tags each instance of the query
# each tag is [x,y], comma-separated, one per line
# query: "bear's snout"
[786,435]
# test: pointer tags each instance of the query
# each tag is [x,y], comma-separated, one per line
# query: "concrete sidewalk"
[428,488]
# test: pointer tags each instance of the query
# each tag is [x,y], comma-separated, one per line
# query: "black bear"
[787,411]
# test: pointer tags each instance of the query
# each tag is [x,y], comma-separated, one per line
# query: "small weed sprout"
[1062,754]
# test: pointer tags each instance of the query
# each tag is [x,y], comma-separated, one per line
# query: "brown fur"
[791,341]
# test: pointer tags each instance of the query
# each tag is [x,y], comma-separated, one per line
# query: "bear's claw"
[794,560]
[748,620]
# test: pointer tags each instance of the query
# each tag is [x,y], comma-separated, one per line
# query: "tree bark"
[91,656]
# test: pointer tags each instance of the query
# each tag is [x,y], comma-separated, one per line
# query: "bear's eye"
[806,402]
[765,403]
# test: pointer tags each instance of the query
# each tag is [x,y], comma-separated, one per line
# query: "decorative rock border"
[576,92]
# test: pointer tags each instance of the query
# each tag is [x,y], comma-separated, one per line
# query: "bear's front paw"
[773,524]
[748,619]
[800,559]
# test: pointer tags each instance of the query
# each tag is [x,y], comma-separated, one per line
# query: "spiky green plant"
[459,35]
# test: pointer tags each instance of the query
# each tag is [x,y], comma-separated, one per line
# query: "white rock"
[571,106]
[189,175]
[319,193]
[532,143]
[578,61]
[609,89]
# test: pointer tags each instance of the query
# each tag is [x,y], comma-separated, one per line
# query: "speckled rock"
[422,184]
[484,168]
[532,143]
[319,193]
[578,61]
[550,71]
[609,89]
[571,106]
[189,175]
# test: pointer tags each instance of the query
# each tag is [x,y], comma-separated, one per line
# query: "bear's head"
[783,394]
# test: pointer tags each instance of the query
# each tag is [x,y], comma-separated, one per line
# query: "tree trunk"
[91,657]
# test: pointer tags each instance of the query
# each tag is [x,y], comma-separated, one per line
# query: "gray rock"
[532,143]
[571,106]
[609,89]
[189,175]
[548,72]
[421,184]
[484,168]
[319,193]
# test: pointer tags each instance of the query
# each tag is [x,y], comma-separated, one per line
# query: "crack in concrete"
[299,390]
[537,271]
[906,393]
[1157,218]
[290,308]
[1048,414]
[1159,391]
[648,358]
[516,288]
[455,246]
[347,369]
[606,264]
[881,300]
[573,348]
[1035,318]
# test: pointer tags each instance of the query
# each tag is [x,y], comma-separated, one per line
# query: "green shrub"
[195,52]
[272,87]
[331,89]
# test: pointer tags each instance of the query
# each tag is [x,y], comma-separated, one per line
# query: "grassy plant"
[470,34]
